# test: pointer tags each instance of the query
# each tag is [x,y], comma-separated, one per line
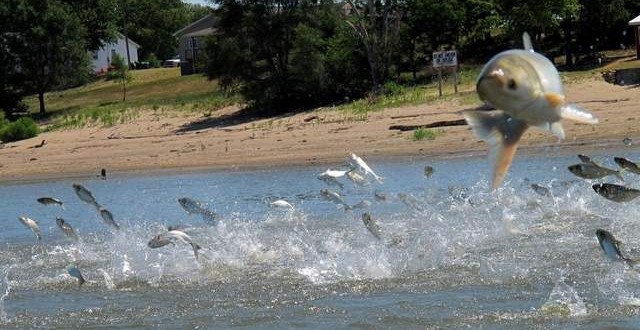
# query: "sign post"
[442,59]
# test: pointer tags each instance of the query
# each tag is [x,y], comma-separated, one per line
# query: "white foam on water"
[564,301]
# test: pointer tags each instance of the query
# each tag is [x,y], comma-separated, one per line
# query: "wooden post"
[636,28]
[455,79]
[439,81]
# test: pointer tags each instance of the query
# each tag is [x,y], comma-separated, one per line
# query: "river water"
[453,255]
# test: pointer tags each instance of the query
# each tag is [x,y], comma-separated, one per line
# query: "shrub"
[424,133]
[20,129]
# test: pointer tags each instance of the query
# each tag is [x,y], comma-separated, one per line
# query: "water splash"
[4,318]
[564,301]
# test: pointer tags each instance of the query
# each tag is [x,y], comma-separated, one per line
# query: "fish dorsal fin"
[526,40]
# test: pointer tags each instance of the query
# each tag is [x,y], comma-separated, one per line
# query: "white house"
[102,57]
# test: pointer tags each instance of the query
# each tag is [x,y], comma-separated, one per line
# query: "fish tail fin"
[502,132]
[577,113]
[81,280]
[195,247]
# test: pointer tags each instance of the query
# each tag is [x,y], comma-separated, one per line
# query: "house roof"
[201,27]
[121,36]
[635,21]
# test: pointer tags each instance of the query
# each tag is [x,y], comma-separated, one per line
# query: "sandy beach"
[226,141]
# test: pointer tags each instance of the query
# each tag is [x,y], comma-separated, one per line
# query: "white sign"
[446,58]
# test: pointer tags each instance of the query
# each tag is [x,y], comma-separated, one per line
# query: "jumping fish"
[330,181]
[75,272]
[593,171]
[363,204]
[540,190]
[107,217]
[33,225]
[526,88]
[586,159]
[380,196]
[281,203]
[159,241]
[357,178]
[50,201]
[616,193]
[334,173]
[85,195]
[359,162]
[182,236]
[194,207]
[428,171]
[66,228]
[334,197]
[409,200]
[627,165]
[371,225]
[611,247]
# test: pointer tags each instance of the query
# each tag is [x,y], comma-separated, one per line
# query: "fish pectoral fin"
[577,113]
[555,128]
[502,132]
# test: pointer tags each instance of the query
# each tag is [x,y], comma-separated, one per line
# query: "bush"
[20,129]
[424,133]
[154,62]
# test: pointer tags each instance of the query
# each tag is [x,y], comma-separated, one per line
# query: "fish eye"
[511,84]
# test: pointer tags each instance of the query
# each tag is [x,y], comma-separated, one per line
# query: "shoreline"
[560,149]
[184,143]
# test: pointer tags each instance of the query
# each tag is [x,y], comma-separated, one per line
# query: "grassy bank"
[160,90]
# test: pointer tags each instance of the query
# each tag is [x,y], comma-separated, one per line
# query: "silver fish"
[361,205]
[49,201]
[180,227]
[194,207]
[593,171]
[75,272]
[160,241]
[33,225]
[616,193]
[281,203]
[409,201]
[526,88]
[380,196]
[540,190]
[586,159]
[627,165]
[66,228]
[182,236]
[611,247]
[85,195]
[333,173]
[360,163]
[107,217]
[428,171]
[330,181]
[333,196]
[627,141]
[371,225]
[357,178]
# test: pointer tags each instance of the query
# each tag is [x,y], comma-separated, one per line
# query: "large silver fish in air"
[526,89]
[194,207]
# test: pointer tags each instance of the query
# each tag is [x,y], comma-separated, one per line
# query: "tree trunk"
[124,91]
[41,100]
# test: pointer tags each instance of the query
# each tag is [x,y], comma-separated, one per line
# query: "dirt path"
[193,142]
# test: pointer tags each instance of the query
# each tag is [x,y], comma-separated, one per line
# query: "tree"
[120,73]
[377,25]
[99,18]
[48,42]
[151,23]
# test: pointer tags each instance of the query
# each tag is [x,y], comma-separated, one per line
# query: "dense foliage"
[284,54]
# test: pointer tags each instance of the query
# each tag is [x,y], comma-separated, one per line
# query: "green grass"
[159,90]
[425,133]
